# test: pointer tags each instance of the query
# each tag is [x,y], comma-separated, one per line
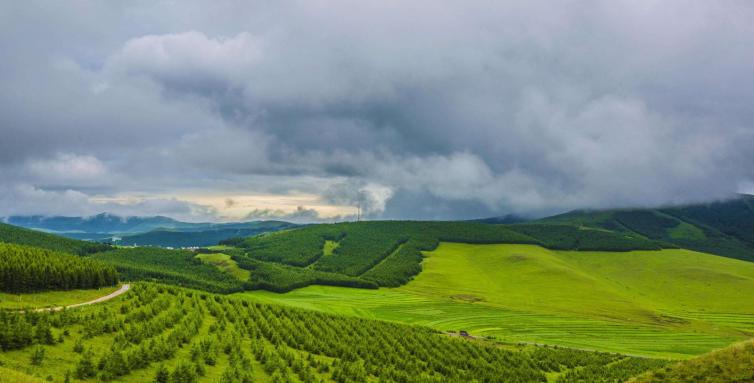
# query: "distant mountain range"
[150,231]
[724,227]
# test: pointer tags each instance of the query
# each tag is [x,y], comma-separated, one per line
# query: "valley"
[387,301]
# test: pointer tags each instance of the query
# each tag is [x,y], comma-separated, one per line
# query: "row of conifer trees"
[28,269]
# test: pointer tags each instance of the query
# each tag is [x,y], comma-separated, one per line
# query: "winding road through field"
[112,295]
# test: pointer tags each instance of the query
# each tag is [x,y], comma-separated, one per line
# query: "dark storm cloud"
[425,110]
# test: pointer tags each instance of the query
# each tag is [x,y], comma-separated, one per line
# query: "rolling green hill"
[668,303]
[21,236]
[389,253]
[732,364]
[724,228]
[175,267]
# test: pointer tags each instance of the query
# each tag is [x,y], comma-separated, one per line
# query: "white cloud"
[500,106]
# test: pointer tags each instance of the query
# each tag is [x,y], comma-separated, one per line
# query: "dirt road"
[112,295]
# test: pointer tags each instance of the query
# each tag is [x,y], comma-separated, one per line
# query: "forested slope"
[28,269]
[173,238]
[14,234]
[176,267]
[724,228]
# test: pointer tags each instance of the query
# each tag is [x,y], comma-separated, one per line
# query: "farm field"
[52,298]
[663,303]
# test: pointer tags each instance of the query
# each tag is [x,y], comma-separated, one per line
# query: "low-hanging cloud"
[475,108]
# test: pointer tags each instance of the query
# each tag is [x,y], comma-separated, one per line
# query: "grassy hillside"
[725,228]
[156,331]
[21,236]
[17,377]
[28,269]
[732,364]
[669,303]
[389,253]
[176,267]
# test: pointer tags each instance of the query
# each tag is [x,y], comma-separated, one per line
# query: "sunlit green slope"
[674,303]
[732,364]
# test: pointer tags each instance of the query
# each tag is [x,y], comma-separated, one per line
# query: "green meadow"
[52,298]
[669,303]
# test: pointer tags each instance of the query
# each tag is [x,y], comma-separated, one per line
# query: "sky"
[305,110]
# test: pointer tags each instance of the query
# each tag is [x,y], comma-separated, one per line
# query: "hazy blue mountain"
[172,238]
[100,223]
[153,231]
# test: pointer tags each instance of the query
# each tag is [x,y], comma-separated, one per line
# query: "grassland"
[732,364]
[8,375]
[226,264]
[329,247]
[668,303]
[52,298]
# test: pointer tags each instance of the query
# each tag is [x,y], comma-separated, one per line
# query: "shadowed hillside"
[21,236]
[724,228]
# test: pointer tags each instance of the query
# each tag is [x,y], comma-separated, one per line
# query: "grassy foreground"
[52,298]
[159,333]
[667,303]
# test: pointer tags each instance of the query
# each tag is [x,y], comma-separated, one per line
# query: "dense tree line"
[188,336]
[300,249]
[734,217]
[282,278]
[28,269]
[176,267]
[205,237]
[21,236]
[567,237]
[723,228]
[402,265]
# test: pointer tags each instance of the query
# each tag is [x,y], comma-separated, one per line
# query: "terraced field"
[661,303]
